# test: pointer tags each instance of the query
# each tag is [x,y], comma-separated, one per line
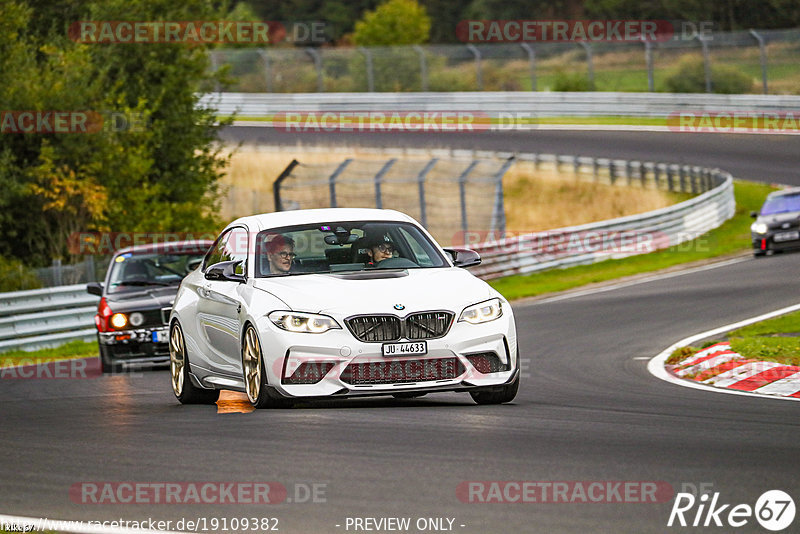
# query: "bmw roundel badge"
[399,307]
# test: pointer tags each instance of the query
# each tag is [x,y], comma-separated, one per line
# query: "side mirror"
[754,214]
[225,271]
[464,257]
[95,288]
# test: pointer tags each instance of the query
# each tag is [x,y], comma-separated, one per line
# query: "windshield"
[133,271]
[781,204]
[343,247]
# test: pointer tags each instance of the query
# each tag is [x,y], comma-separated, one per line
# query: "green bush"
[571,81]
[16,276]
[689,77]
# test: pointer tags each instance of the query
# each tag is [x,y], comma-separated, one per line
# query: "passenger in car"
[280,253]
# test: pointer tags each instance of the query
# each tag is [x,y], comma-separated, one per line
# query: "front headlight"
[483,312]
[759,228]
[310,323]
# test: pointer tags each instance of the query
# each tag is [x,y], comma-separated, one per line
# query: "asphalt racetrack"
[588,411]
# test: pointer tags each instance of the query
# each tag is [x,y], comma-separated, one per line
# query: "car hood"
[146,298]
[379,291]
[779,218]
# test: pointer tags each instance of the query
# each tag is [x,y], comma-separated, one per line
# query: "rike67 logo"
[774,510]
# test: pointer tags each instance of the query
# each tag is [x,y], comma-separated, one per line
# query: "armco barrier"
[41,318]
[578,245]
[533,104]
[47,317]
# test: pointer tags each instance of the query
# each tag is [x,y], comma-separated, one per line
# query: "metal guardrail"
[636,234]
[42,318]
[498,104]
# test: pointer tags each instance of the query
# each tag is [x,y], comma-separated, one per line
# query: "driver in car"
[379,247]
[280,253]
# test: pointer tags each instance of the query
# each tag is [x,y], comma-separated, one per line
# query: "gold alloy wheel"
[177,359]
[251,362]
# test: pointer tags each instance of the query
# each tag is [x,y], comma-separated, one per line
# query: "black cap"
[373,240]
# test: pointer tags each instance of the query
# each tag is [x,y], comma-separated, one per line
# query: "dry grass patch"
[538,200]
[535,200]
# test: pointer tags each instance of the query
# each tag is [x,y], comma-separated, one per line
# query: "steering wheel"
[395,263]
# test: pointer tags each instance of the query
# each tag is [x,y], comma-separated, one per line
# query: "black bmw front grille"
[379,328]
[375,327]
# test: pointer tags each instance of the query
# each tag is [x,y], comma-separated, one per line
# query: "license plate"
[786,236]
[400,349]
[159,336]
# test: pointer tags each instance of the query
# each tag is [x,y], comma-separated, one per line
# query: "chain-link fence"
[746,62]
[447,196]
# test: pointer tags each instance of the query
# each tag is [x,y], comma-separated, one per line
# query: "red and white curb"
[719,369]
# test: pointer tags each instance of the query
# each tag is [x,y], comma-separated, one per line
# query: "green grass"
[789,323]
[730,238]
[784,350]
[774,340]
[73,349]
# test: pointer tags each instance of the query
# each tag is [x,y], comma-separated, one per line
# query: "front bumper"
[139,346]
[335,354]
[776,240]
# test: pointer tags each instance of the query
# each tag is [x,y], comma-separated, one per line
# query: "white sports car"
[338,303]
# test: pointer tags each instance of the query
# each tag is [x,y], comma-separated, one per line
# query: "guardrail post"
[212,57]
[478,75]
[628,172]
[462,194]
[370,72]
[682,174]
[611,172]
[421,187]
[531,63]
[670,178]
[267,68]
[276,186]
[589,63]
[648,58]
[423,67]
[595,170]
[576,165]
[378,179]
[499,209]
[763,52]
[317,59]
[706,63]
[656,176]
[693,178]
[332,180]
[642,174]
[57,273]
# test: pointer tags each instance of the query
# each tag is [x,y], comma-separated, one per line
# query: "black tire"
[258,390]
[183,388]
[759,254]
[107,362]
[408,395]
[500,396]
